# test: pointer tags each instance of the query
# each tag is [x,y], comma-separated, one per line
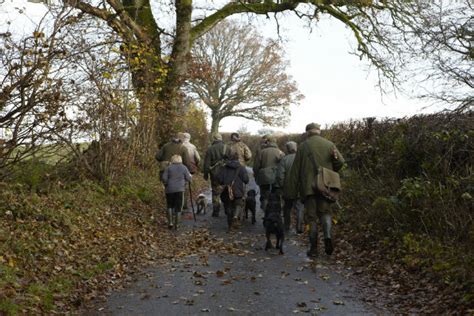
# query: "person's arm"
[197,157]
[337,159]
[164,176]
[187,175]
[256,163]
[159,155]
[244,175]
[185,157]
[280,174]
[247,153]
[294,174]
[207,165]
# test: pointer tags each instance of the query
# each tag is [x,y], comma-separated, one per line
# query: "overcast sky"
[336,85]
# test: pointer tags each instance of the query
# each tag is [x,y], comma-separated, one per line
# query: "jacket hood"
[234,164]
[271,144]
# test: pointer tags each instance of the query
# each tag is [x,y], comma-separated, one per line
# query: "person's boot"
[176,219]
[328,247]
[169,217]
[215,209]
[326,222]
[313,241]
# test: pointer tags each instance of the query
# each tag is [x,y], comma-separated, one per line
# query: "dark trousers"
[288,206]
[174,201]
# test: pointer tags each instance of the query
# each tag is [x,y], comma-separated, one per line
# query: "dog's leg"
[281,244]
[269,242]
[253,215]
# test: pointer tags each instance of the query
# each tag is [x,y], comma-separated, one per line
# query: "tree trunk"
[170,94]
[215,124]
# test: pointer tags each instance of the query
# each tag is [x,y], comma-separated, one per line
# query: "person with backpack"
[233,177]
[213,161]
[265,167]
[313,154]
[175,177]
[282,182]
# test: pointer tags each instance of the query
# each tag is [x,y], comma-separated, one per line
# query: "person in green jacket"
[265,167]
[283,183]
[213,161]
[173,147]
[302,174]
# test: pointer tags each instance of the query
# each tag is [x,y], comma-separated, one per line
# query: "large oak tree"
[237,73]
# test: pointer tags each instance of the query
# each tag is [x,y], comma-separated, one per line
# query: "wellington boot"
[312,252]
[169,217]
[176,219]
[328,247]
[313,241]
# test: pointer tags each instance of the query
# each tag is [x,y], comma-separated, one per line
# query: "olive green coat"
[302,172]
[268,157]
[214,154]
[168,150]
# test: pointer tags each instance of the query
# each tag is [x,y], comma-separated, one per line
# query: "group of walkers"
[290,176]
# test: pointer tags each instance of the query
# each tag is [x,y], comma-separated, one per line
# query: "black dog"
[201,203]
[273,223]
[251,204]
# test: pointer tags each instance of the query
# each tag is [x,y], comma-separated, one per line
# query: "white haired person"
[175,177]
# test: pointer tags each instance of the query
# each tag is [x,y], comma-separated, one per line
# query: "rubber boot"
[216,207]
[176,219]
[313,241]
[326,222]
[169,217]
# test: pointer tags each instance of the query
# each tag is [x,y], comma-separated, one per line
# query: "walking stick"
[191,199]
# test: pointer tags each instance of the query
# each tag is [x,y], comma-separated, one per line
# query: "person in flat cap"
[320,152]
[213,161]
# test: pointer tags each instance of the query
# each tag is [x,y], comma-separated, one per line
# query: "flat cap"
[313,126]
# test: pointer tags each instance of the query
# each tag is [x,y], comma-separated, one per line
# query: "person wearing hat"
[240,148]
[283,183]
[213,161]
[173,147]
[265,168]
[233,177]
[194,160]
[302,175]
